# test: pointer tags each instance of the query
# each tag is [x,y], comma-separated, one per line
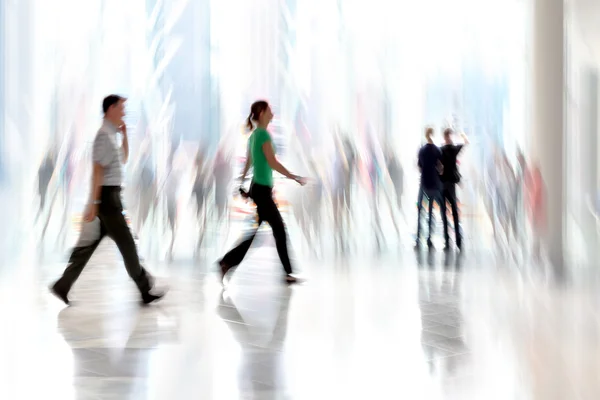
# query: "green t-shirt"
[263,173]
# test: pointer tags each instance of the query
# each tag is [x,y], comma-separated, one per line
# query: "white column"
[548,144]
[3,37]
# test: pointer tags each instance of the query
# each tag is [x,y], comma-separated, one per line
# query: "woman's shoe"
[224,269]
[290,280]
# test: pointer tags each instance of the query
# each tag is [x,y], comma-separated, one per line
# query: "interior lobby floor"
[406,327]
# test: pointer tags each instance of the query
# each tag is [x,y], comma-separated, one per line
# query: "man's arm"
[440,167]
[97,181]
[464,138]
[125,145]
[460,146]
[95,193]
[101,157]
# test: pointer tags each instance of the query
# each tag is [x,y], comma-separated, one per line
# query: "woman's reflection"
[441,318]
[261,369]
[425,261]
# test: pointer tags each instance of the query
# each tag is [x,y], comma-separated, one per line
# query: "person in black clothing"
[431,167]
[450,177]
[261,157]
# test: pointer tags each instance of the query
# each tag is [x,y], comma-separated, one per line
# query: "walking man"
[105,205]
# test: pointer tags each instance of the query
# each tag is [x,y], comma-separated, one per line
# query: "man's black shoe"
[59,294]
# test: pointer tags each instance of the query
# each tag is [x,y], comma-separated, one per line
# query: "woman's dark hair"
[255,110]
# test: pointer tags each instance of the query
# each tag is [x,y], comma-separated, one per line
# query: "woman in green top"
[261,156]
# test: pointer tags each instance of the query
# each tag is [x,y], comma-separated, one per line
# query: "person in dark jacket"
[430,165]
[450,178]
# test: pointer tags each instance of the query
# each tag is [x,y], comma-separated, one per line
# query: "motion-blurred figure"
[144,188]
[307,205]
[315,203]
[222,178]
[430,165]
[60,184]
[171,188]
[505,186]
[396,173]
[450,178]
[518,215]
[536,206]
[261,156]
[342,178]
[490,183]
[202,184]
[377,175]
[373,174]
[45,172]
[105,208]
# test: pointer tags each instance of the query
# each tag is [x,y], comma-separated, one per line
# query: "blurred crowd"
[355,193]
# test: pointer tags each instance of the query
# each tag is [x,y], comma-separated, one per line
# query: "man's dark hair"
[110,101]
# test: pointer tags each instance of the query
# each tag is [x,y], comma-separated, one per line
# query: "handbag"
[89,233]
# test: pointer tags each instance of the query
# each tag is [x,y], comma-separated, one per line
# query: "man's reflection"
[441,318]
[92,337]
[453,261]
[261,368]
[425,259]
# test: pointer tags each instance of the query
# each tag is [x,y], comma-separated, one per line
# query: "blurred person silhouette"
[373,168]
[104,212]
[536,206]
[67,186]
[317,196]
[351,155]
[307,205]
[145,187]
[518,214]
[296,198]
[141,190]
[341,181]
[202,184]
[396,174]
[377,175]
[170,189]
[315,201]
[261,156]
[505,202]
[430,165]
[490,186]
[60,184]
[222,177]
[45,172]
[450,178]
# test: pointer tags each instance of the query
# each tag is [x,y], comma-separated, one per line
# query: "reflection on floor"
[449,328]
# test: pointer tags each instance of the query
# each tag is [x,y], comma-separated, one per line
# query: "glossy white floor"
[397,327]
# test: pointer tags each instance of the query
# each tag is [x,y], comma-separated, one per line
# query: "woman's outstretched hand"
[301,181]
